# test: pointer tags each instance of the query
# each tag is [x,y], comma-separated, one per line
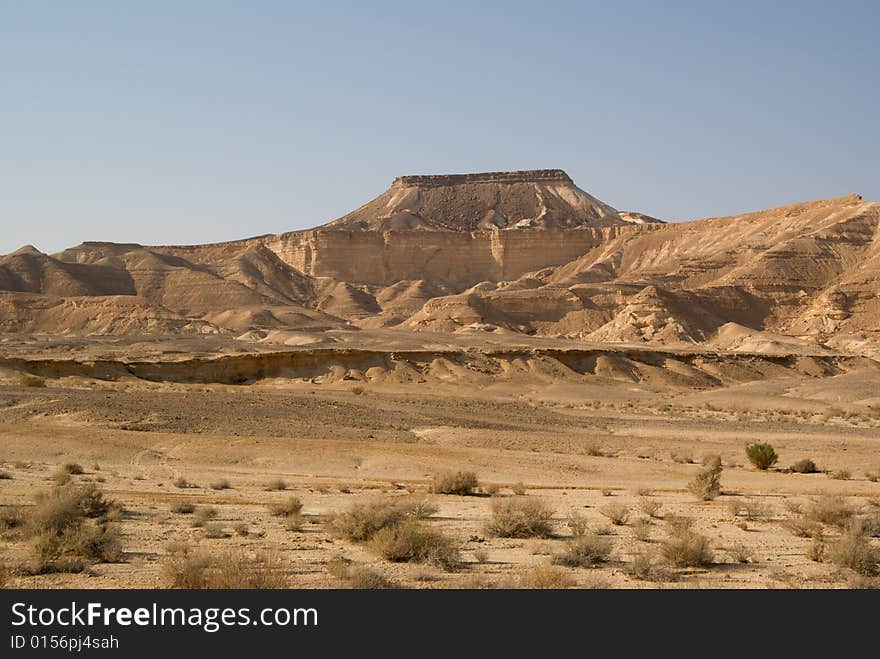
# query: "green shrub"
[454,482]
[520,517]
[762,456]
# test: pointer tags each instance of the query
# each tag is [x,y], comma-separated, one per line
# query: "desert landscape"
[472,381]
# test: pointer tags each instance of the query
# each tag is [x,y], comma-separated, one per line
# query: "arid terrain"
[598,373]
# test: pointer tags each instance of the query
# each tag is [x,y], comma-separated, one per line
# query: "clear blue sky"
[180,122]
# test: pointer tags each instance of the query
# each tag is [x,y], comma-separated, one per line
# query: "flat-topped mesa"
[489,201]
[524,176]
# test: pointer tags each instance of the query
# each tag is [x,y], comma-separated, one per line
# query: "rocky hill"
[514,252]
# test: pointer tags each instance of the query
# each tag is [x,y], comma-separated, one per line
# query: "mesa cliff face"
[520,252]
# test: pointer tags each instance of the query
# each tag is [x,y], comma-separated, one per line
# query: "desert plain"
[244,404]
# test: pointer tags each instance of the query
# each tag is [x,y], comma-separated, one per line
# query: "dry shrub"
[584,551]
[365,578]
[363,520]
[481,555]
[215,531]
[276,485]
[226,570]
[868,524]
[651,507]
[546,577]
[740,553]
[841,475]
[802,528]
[805,466]
[617,513]
[678,524]
[294,522]
[828,509]
[818,548]
[756,510]
[242,529]
[5,475]
[32,381]
[518,489]
[69,525]
[873,476]
[520,517]
[412,542]
[576,523]
[854,551]
[287,508]
[646,566]
[491,489]
[686,548]
[707,483]
[762,456]
[182,483]
[455,482]
[5,576]
[183,507]
[11,517]
[203,515]
[72,468]
[641,529]
[221,484]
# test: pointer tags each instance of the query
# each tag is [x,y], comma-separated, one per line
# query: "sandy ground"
[577,447]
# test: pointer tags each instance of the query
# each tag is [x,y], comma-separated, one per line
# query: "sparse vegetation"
[854,551]
[830,510]
[641,529]
[203,515]
[276,485]
[805,466]
[32,381]
[413,542]
[646,566]
[234,570]
[69,525]
[617,513]
[546,577]
[687,549]
[183,507]
[287,508]
[584,551]
[651,507]
[221,484]
[576,523]
[761,455]
[841,474]
[707,483]
[358,577]
[462,483]
[364,519]
[520,517]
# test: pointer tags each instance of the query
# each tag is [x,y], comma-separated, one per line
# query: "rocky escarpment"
[534,199]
